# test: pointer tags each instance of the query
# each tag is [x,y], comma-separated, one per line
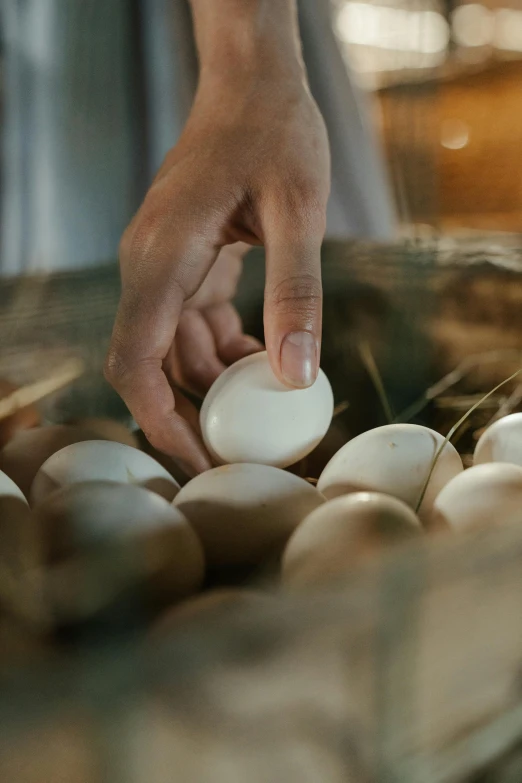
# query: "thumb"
[293,299]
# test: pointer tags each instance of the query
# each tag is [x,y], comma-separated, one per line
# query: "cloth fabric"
[94,93]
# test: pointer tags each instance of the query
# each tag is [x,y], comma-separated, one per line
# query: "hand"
[252,166]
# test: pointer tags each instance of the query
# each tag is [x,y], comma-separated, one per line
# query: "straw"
[454,429]
[34,392]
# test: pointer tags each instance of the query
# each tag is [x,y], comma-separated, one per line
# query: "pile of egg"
[88,518]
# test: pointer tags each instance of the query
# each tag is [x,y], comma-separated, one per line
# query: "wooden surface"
[477,185]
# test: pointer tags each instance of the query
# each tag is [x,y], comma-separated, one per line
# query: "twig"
[34,392]
[508,405]
[454,429]
[341,408]
[370,365]
[454,377]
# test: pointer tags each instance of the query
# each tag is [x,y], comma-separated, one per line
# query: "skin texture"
[251,167]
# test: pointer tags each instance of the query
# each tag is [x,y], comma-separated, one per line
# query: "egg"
[23,419]
[482,496]
[396,460]
[245,513]
[102,538]
[107,429]
[501,442]
[344,532]
[9,489]
[27,451]
[250,416]
[101,460]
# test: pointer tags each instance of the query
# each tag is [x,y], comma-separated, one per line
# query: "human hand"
[252,166]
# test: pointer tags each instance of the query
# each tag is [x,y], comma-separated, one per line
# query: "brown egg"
[24,455]
[103,539]
[23,419]
[107,429]
[203,605]
[343,533]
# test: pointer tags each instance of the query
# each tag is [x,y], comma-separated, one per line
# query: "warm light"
[454,134]
[396,29]
[472,25]
[508,30]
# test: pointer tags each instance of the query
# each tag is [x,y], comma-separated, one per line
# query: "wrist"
[245,39]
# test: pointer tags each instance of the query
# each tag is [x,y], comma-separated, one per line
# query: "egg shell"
[501,442]
[107,429]
[249,416]
[9,489]
[245,513]
[482,496]
[344,532]
[24,455]
[116,536]
[23,419]
[101,460]
[395,460]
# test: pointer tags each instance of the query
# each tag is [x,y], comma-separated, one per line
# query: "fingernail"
[299,359]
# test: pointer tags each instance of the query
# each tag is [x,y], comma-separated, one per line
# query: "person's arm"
[252,166]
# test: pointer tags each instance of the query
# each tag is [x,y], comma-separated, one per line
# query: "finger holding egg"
[249,416]
[343,533]
[395,460]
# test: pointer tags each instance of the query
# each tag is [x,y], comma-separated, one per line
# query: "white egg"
[502,442]
[344,532]
[250,416]
[396,460]
[101,460]
[146,539]
[8,489]
[481,496]
[244,513]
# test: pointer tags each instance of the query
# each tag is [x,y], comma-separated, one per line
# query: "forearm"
[237,37]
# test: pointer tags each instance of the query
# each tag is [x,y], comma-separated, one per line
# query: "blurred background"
[447,79]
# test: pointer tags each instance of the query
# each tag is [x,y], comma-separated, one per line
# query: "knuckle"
[117,367]
[301,294]
[303,203]
[142,237]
